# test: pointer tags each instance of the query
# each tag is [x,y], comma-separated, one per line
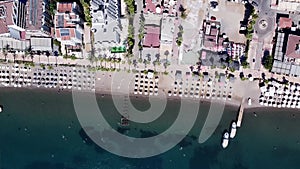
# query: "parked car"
[254,3]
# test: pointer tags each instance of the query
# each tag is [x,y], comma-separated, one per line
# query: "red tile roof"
[7,19]
[293,47]
[152,37]
[72,32]
[63,7]
[285,22]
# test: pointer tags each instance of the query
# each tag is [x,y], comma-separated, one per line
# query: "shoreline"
[235,102]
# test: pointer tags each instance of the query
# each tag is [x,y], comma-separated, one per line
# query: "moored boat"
[225,140]
[233,130]
[124,121]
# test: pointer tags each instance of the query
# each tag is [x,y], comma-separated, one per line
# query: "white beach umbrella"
[293,87]
[294,97]
[286,97]
[284,101]
[295,101]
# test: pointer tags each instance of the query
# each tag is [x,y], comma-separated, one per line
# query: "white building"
[105,23]
[38,18]
[285,5]
[12,19]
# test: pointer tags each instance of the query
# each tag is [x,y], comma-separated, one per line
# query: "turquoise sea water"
[34,122]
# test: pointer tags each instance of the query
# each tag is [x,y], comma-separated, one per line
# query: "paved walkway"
[136,24]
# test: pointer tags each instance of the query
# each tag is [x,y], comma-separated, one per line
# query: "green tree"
[267,62]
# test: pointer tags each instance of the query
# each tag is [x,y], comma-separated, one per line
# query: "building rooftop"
[211,33]
[167,31]
[152,6]
[281,67]
[293,47]
[14,43]
[6,12]
[63,7]
[105,23]
[152,37]
[41,44]
[67,33]
[38,17]
[285,22]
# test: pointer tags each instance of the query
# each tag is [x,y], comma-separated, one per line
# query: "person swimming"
[254,113]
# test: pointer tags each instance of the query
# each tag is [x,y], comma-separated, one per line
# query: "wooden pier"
[241,114]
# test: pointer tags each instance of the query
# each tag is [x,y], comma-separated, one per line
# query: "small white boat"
[233,130]
[1,109]
[225,140]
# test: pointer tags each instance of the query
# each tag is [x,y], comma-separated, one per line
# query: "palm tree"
[148,57]
[129,63]
[28,51]
[100,59]
[145,63]
[23,57]
[154,64]
[91,59]
[14,55]
[7,46]
[157,57]
[5,51]
[109,60]
[96,60]
[135,63]
[104,59]
[119,61]
[39,54]
[167,54]
[48,55]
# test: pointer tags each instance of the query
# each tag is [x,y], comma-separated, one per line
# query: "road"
[175,47]
[262,33]
[136,24]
